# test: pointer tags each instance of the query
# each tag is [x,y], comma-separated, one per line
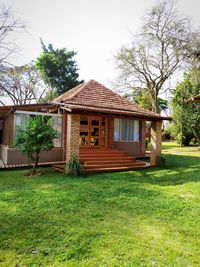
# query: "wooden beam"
[11,135]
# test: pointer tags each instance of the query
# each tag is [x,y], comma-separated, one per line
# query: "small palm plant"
[74,166]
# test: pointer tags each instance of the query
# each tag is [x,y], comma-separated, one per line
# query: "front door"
[93,130]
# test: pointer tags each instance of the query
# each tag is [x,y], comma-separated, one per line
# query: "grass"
[147,217]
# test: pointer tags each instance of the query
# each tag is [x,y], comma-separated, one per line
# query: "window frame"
[120,133]
[40,114]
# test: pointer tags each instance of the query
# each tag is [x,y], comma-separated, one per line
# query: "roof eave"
[110,111]
[7,107]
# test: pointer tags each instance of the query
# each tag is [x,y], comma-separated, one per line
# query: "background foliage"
[58,68]
[186,115]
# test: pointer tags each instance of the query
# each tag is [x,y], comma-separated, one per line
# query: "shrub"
[74,166]
[162,161]
[33,137]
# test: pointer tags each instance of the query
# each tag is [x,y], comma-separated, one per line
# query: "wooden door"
[93,131]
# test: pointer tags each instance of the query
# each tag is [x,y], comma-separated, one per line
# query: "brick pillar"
[143,136]
[73,134]
[156,142]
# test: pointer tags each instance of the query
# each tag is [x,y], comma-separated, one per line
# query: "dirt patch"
[38,173]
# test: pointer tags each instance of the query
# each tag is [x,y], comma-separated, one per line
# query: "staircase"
[106,160]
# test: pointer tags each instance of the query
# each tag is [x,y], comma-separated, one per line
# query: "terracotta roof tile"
[95,96]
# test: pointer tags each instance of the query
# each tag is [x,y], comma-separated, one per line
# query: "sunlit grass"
[176,149]
[137,218]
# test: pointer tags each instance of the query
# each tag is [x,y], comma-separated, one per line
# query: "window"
[126,130]
[57,126]
[21,117]
[83,121]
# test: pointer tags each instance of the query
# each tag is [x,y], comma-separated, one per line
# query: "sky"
[96,29]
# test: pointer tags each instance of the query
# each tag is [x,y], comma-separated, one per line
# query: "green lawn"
[138,218]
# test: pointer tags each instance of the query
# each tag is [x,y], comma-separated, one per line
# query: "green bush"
[74,166]
[162,161]
[36,135]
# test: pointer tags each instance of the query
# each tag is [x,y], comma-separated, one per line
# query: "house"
[105,130]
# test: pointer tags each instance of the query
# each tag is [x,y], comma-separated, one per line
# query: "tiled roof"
[93,96]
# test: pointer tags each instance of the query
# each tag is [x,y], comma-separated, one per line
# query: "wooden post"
[143,136]
[11,133]
[110,135]
[64,134]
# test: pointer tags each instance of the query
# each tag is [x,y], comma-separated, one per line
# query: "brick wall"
[73,134]
[156,142]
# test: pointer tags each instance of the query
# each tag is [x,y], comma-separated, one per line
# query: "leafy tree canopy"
[143,99]
[157,51]
[33,137]
[186,115]
[58,68]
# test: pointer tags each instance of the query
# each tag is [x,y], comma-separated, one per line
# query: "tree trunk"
[154,107]
[154,100]
[36,163]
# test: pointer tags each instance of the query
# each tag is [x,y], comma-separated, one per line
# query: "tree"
[157,52]
[58,68]
[33,137]
[8,25]
[143,100]
[186,116]
[22,84]
[49,95]
[193,51]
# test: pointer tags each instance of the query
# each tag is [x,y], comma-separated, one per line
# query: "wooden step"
[105,158]
[113,169]
[97,166]
[102,152]
[59,166]
[103,161]
[58,169]
[104,168]
[138,162]
[103,155]
[99,150]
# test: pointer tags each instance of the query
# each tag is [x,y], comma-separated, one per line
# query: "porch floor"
[13,166]
[106,160]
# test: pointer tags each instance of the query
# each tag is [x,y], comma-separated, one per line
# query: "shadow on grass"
[175,170]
